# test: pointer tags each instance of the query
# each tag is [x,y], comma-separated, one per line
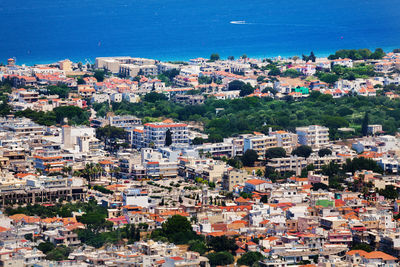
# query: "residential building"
[314,136]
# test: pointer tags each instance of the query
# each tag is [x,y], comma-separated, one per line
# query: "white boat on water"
[238,22]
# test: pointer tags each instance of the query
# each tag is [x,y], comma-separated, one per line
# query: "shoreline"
[32,62]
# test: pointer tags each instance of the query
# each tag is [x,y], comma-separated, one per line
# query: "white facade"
[314,136]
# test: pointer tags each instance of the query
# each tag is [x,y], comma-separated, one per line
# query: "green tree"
[264,199]
[250,258]
[249,157]
[59,253]
[99,75]
[302,151]
[274,71]
[168,138]
[324,152]
[389,192]
[362,246]
[198,246]
[330,78]
[221,243]
[364,125]
[378,54]
[259,173]
[45,247]
[155,97]
[214,57]
[275,152]
[220,258]
[317,186]
[245,88]
[198,141]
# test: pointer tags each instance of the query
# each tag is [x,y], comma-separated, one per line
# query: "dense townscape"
[209,162]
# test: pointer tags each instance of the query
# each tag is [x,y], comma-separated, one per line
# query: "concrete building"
[71,134]
[136,197]
[314,136]
[154,134]
[292,163]
[233,178]
[65,65]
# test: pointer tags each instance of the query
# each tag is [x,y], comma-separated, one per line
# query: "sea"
[45,31]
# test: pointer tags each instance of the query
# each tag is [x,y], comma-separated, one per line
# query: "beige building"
[65,65]
[233,177]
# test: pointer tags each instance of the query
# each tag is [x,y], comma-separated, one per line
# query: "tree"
[177,229]
[154,97]
[364,125]
[317,186]
[378,54]
[99,75]
[198,246]
[250,258]
[220,258]
[264,199]
[168,138]
[249,157]
[274,71]
[214,57]
[362,246]
[389,192]
[324,152]
[231,58]
[235,162]
[198,141]
[295,58]
[259,173]
[330,78]
[176,224]
[275,152]
[93,220]
[302,151]
[59,253]
[312,57]
[45,247]
[221,243]
[244,88]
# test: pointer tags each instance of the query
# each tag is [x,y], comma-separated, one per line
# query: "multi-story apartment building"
[49,159]
[154,134]
[27,96]
[315,136]
[124,121]
[261,143]
[292,163]
[21,127]
[233,178]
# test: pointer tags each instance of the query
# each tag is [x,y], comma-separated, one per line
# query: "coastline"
[91,59]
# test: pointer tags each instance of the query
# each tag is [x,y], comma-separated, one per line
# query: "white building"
[136,197]
[154,134]
[314,136]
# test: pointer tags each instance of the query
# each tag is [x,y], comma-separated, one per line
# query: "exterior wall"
[314,136]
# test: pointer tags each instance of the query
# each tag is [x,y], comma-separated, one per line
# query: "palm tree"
[98,170]
[115,171]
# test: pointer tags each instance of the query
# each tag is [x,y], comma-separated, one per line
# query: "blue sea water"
[43,31]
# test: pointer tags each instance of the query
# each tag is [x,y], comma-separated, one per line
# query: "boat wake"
[241,22]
